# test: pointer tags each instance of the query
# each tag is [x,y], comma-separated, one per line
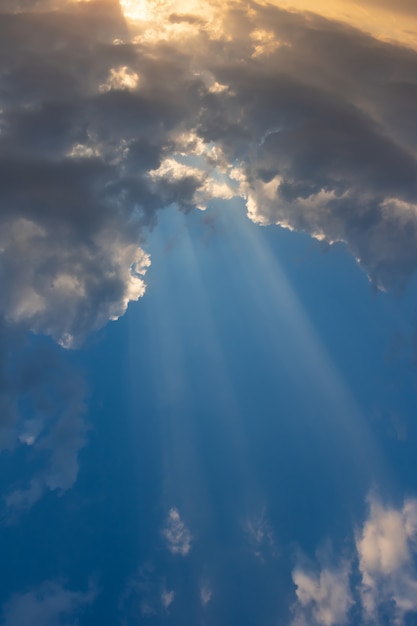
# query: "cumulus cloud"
[49,604]
[78,138]
[375,584]
[176,534]
[387,550]
[311,121]
[323,597]
[84,117]
[323,147]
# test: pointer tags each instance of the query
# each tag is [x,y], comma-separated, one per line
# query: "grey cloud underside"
[314,121]
[330,116]
[43,413]
[321,123]
[72,222]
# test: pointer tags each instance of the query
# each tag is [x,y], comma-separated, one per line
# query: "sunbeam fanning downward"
[188,463]
[299,348]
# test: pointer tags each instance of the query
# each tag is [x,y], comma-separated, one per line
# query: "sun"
[135,9]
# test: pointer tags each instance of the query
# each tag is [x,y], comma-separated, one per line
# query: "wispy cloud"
[260,535]
[51,429]
[176,534]
[206,593]
[146,593]
[167,598]
[50,603]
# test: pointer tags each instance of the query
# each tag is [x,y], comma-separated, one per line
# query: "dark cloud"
[408,7]
[321,118]
[78,139]
[44,415]
[8,393]
[318,118]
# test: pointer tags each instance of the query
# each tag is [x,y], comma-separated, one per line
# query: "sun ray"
[135,9]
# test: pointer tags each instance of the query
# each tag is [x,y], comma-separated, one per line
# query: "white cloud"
[167,598]
[386,552]
[258,531]
[387,546]
[176,534]
[49,604]
[66,293]
[323,598]
[120,78]
[206,593]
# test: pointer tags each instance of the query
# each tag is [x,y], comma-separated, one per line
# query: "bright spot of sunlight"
[135,9]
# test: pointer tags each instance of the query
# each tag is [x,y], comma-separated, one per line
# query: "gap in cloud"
[210,263]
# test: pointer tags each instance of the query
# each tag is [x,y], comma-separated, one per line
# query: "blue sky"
[208,321]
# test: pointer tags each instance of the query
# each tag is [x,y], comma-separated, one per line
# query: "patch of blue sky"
[254,401]
[217,394]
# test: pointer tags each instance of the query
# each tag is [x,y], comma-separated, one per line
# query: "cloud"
[146,593]
[322,143]
[9,410]
[376,583]
[167,598]
[177,536]
[45,420]
[206,593]
[310,121]
[49,604]
[387,549]
[324,597]
[78,139]
[105,122]
[259,533]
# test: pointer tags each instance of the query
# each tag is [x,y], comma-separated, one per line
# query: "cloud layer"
[311,121]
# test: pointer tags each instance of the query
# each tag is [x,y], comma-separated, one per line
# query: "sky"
[208,313]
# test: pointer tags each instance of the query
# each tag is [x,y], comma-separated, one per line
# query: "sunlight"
[297,344]
[377,20]
[135,9]
[171,15]
[182,329]
[380,18]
